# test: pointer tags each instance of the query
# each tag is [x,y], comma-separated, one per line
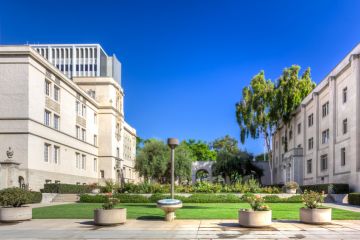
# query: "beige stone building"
[63,126]
[324,134]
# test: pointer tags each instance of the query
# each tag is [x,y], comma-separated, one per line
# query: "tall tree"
[183,160]
[254,112]
[290,90]
[226,144]
[201,150]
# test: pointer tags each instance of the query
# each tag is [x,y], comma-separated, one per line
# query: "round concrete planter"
[291,190]
[249,218]
[109,216]
[315,215]
[15,214]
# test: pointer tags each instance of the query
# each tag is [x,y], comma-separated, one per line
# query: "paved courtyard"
[179,229]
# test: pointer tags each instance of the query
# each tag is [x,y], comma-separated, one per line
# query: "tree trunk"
[269,152]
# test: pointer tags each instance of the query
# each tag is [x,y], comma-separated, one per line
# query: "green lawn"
[189,211]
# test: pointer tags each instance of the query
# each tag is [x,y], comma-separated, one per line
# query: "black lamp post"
[173,143]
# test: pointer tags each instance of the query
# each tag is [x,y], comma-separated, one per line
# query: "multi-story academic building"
[62,115]
[324,134]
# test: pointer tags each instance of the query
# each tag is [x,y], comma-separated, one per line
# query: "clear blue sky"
[185,62]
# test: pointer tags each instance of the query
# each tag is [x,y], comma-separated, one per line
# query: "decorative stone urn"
[250,218]
[113,216]
[15,214]
[291,190]
[95,191]
[315,215]
[169,206]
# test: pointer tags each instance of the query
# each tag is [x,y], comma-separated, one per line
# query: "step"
[66,198]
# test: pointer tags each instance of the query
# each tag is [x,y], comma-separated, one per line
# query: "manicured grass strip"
[289,211]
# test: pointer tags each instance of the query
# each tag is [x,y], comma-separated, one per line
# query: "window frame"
[343,156]
[47,152]
[324,162]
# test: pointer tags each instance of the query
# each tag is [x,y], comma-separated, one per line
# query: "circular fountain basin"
[169,206]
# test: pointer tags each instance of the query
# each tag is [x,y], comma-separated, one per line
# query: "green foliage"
[183,160]
[312,199]
[65,188]
[110,202]
[201,150]
[86,198]
[294,199]
[257,203]
[292,185]
[145,188]
[337,188]
[110,187]
[354,198]
[225,144]
[14,197]
[34,197]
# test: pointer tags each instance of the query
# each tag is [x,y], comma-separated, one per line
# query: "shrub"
[312,199]
[273,199]
[257,203]
[85,198]
[212,198]
[131,198]
[14,197]
[110,202]
[66,188]
[34,197]
[337,188]
[354,198]
[292,185]
[110,187]
[294,199]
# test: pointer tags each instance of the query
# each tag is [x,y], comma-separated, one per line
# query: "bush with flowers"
[313,199]
[110,202]
[257,203]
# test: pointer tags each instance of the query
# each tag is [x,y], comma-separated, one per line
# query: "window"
[117,152]
[56,122]
[95,140]
[310,143]
[77,132]
[46,152]
[310,120]
[345,95]
[323,162]
[47,88]
[56,154]
[83,162]
[102,174]
[47,118]
[309,166]
[77,160]
[299,128]
[343,156]
[325,109]
[56,93]
[95,165]
[345,126]
[83,113]
[290,134]
[83,134]
[325,136]
[77,108]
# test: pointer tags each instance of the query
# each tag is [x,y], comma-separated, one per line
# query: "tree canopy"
[201,150]
[226,143]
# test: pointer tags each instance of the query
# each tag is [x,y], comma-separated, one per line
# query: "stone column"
[332,127]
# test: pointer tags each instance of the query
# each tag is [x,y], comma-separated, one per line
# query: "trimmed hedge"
[35,197]
[354,198]
[65,188]
[337,188]
[194,198]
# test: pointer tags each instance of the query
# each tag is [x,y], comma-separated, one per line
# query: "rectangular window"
[345,126]
[325,109]
[83,162]
[95,165]
[77,160]
[95,140]
[102,174]
[46,152]
[343,157]
[309,166]
[56,122]
[77,132]
[47,88]
[56,154]
[345,95]
[83,134]
[310,120]
[56,93]
[325,136]
[323,162]
[310,143]
[47,118]
[83,113]
[78,109]
[299,128]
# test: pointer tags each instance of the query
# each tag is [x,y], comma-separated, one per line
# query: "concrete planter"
[315,215]
[95,191]
[109,216]
[249,218]
[15,214]
[291,190]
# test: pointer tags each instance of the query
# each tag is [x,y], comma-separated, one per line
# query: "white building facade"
[63,126]
[323,137]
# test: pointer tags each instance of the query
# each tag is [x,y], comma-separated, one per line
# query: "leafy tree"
[290,90]
[254,113]
[152,160]
[183,160]
[262,157]
[226,144]
[201,150]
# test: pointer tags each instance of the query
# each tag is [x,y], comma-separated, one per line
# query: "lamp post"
[172,143]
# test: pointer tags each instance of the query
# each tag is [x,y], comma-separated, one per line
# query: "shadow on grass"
[138,205]
[152,218]
[194,207]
